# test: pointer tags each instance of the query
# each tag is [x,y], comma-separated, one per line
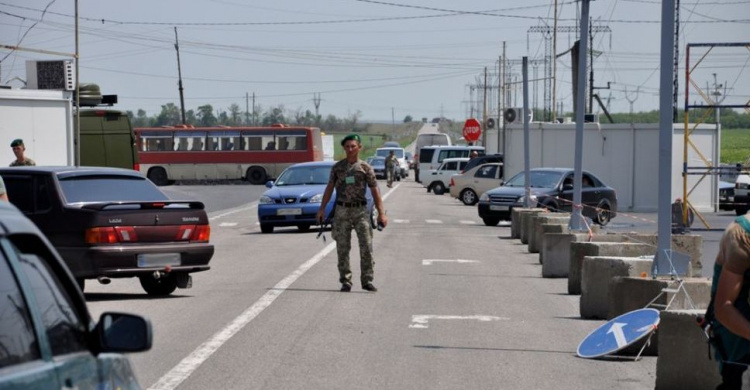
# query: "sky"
[382,59]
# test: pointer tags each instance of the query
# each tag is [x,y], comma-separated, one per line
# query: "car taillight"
[111,235]
[137,167]
[202,233]
[101,235]
[452,183]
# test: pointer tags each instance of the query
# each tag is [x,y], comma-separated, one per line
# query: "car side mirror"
[567,187]
[434,173]
[122,332]
[269,184]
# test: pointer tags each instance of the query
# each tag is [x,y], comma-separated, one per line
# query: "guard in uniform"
[18,150]
[350,177]
[390,168]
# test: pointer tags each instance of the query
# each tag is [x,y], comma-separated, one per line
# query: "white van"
[403,167]
[430,157]
[438,180]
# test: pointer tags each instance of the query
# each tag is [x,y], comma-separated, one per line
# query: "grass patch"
[735,146]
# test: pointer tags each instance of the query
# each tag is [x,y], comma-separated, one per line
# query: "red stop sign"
[472,130]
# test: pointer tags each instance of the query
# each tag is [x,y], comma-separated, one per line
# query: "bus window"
[223,140]
[156,142]
[189,140]
[292,140]
[256,140]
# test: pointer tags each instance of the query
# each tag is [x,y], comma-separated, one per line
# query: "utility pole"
[591,68]
[502,113]
[484,111]
[255,119]
[179,75]
[676,60]
[393,123]
[554,65]
[316,102]
[78,96]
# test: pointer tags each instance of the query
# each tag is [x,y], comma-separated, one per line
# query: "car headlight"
[265,199]
[316,199]
[484,198]
[532,198]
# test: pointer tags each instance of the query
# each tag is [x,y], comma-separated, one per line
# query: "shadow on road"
[494,349]
[99,297]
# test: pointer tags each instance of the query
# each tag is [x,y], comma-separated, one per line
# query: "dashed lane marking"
[435,221]
[468,222]
[228,224]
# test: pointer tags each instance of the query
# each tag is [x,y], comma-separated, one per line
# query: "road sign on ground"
[619,333]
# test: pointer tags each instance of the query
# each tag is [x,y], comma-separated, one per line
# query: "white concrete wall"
[43,119]
[624,157]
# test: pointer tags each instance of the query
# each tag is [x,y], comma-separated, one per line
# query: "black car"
[47,337]
[551,188]
[114,223]
[481,160]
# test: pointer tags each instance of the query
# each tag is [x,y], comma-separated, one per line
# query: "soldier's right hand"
[319,216]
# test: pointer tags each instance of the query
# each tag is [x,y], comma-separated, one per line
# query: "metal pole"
[78,96]
[484,111]
[502,114]
[179,76]
[664,235]
[576,219]
[526,148]
[499,102]
[554,67]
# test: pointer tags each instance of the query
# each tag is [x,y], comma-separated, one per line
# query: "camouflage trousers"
[390,173]
[346,220]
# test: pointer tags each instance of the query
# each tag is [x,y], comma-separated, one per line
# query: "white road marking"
[400,221]
[421,321]
[468,222]
[619,334]
[436,221]
[234,211]
[459,261]
[190,363]
[228,224]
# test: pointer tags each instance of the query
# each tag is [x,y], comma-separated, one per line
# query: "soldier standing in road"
[390,168]
[349,177]
[18,149]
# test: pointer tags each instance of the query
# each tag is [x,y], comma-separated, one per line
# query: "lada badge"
[115,220]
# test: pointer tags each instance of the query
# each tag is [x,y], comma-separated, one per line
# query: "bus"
[256,154]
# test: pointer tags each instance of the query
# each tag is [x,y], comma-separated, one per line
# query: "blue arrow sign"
[619,333]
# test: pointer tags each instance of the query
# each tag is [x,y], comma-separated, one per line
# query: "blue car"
[294,198]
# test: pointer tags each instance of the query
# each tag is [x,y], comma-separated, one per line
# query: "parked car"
[470,185]
[726,195]
[430,157]
[114,223]
[378,165]
[294,198]
[47,337]
[438,180]
[742,194]
[551,188]
[479,160]
[409,160]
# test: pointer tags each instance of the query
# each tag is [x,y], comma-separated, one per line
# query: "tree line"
[206,115]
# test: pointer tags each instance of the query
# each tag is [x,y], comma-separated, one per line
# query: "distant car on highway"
[470,185]
[294,198]
[551,188]
[378,165]
[47,337]
[114,223]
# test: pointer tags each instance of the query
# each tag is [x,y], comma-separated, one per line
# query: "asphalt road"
[460,306]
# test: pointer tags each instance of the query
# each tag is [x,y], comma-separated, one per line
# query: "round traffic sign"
[472,130]
[619,333]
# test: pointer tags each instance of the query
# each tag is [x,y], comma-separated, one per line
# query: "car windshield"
[399,153]
[109,188]
[539,179]
[295,176]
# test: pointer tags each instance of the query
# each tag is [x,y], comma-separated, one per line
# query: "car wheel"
[551,206]
[469,197]
[491,221]
[165,285]
[438,188]
[303,228]
[266,228]
[602,214]
[81,283]
[256,175]
[158,176]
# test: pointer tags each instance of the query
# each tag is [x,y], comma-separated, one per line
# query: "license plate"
[158,259]
[289,211]
[499,208]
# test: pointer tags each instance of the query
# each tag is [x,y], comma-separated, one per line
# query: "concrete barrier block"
[556,251]
[631,293]
[596,274]
[548,229]
[515,221]
[691,244]
[579,250]
[526,223]
[683,360]
[537,221]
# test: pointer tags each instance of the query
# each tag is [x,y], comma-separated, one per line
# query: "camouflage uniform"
[27,162]
[390,168]
[350,181]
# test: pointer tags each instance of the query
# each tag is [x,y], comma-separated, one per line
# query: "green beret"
[16,142]
[350,137]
